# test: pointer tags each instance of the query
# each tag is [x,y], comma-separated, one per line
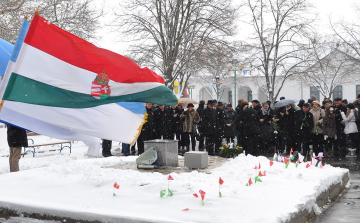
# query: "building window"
[337,92]
[314,91]
[249,96]
[357,91]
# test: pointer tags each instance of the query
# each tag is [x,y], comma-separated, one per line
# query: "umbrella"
[284,102]
[187,101]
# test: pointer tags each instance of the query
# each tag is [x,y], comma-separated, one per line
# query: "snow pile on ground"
[76,183]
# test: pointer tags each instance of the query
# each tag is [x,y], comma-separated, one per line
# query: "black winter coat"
[162,121]
[304,123]
[266,129]
[149,125]
[16,137]
[176,125]
[251,121]
[220,115]
[230,118]
[339,126]
[200,111]
[288,121]
[209,121]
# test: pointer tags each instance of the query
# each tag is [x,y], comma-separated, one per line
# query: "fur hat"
[351,106]
[190,105]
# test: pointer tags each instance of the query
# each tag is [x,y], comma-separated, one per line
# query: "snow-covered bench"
[32,147]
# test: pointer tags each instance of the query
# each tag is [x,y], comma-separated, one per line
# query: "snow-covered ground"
[76,183]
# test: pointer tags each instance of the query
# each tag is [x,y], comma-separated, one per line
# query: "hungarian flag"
[116,185]
[170,177]
[307,165]
[202,193]
[221,181]
[271,163]
[259,166]
[249,182]
[195,195]
[257,179]
[68,82]
[262,174]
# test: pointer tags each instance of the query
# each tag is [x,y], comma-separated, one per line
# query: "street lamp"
[191,87]
[234,63]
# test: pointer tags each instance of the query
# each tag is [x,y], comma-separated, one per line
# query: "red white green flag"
[68,82]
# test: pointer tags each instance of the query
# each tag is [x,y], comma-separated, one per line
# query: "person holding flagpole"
[17,139]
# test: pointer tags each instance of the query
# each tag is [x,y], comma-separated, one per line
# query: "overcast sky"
[336,8]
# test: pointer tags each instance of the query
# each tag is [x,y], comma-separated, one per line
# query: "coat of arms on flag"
[100,88]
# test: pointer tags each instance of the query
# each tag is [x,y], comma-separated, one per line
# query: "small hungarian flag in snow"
[307,165]
[170,178]
[162,193]
[297,162]
[262,174]
[275,158]
[116,186]
[220,183]
[255,168]
[321,166]
[259,166]
[195,195]
[170,193]
[249,182]
[271,163]
[301,157]
[186,209]
[202,194]
[257,179]
[66,81]
[291,156]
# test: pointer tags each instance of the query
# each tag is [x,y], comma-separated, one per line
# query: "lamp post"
[234,63]
[217,87]
[191,87]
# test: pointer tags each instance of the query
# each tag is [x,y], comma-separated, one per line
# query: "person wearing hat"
[351,129]
[190,118]
[209,126]
[176,126]
[317,132]
[220,124]
[251,121]
[229,120]
[256,105]
[304,124]
[200,111]
[339,149]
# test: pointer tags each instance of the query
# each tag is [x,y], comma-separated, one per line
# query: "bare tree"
[172,36]
[349,33]
[274,53]
[80,17]
[329,67]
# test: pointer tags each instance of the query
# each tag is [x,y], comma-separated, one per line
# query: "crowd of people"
[260,128]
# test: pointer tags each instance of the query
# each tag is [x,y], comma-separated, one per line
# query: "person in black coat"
[287,124]
[230,121]
[162,118]
[239,126]
[304,125]
[256,105]
[220,124]
[176,124]
[266,131]
[340,144]
[147,130]
[250,120]
[200,111]
[209,126]
[17,139]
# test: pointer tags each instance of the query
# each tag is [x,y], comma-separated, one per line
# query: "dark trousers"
[290,141]
[241,141]
[252,145]
[218,139]
[281,141]
[144,135]
[210,143]
[302,141]
[340,143]
[352,140]
[187,137]
[201,142]
[106,146]
[329,143]
[318,143]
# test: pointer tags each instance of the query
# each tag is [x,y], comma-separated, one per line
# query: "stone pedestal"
[167,151]
[196,160]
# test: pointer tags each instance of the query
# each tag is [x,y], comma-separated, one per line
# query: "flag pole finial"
[37,11]
[26,16]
